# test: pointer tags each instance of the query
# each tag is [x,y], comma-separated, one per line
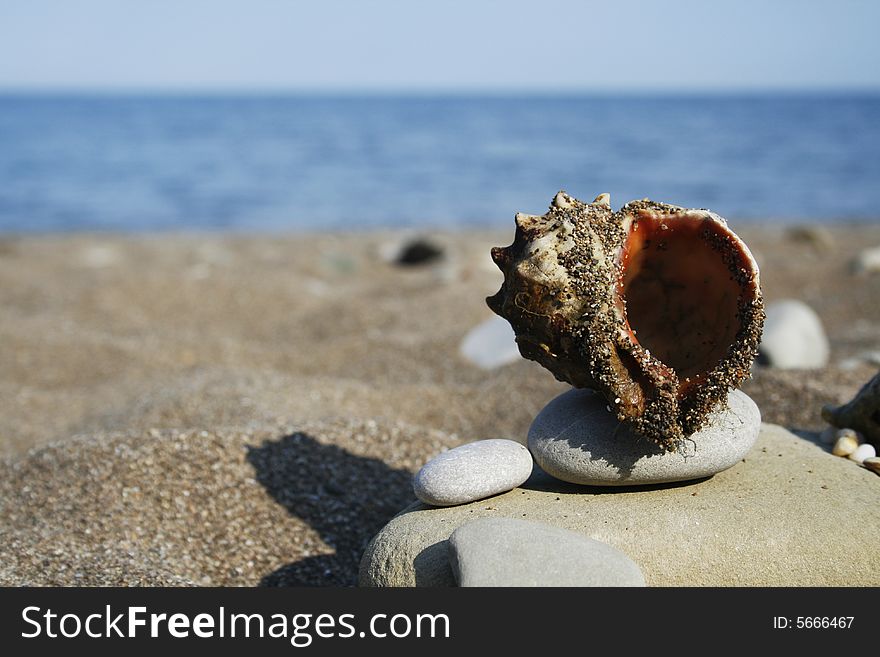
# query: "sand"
[247,370]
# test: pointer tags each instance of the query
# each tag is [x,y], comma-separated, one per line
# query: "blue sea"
[290,163]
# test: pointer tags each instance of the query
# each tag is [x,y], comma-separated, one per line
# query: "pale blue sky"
[407,45]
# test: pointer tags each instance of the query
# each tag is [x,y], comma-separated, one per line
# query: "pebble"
[794,337]
[846,444]
[491,344]
[819,237]
[417,251]
[576,438]
[98,256]
[872,463]
[869,357]
[867,262]
[472,472]
[863,452]
[512,552]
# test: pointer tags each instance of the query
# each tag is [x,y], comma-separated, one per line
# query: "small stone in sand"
[794,337]
[491,344]
[419,251]
[473,471]
[819,237]
[512,552]
[867,262]
[867,357]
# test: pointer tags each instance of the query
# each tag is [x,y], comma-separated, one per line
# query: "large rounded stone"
[512,552]
[577,439]
[790,515]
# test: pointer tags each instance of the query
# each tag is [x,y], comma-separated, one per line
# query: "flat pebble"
[473,471]
[794,337]
[512,552]
[576,438]
[863,452]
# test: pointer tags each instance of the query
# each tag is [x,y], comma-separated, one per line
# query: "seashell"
[657,307]
[862,413]
[846,444]
[846,432]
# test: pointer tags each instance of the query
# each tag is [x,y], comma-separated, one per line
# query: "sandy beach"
[215,409]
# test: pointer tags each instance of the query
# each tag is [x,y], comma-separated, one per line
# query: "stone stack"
[602,506]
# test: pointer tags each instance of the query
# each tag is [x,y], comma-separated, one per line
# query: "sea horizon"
[80,160]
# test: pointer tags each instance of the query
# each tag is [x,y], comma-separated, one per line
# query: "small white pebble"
[845,446]
[867,262]
[863,452]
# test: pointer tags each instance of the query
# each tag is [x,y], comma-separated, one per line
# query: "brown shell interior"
[680,298]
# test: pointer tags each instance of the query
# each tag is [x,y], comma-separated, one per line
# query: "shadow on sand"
[344,497]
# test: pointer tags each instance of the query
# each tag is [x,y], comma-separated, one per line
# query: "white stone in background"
[869,357]
[793,337]
[576,438]
[491,344]
[473,471]
[512,552]
[868,261]
[863,452]
[99,256]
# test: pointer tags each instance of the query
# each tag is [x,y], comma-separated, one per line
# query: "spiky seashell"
[657,307]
